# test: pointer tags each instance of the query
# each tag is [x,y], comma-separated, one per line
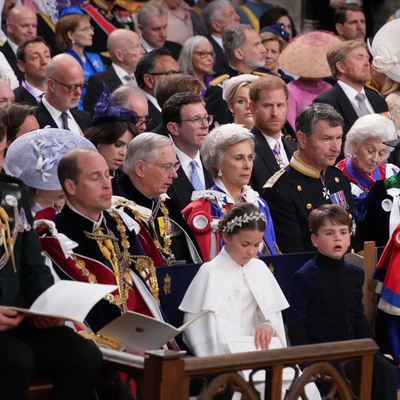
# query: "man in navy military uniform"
[44,343]
[310,180]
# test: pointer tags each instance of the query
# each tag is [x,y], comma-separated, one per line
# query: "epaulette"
[373,86]
[259,73]
[132,6]
[271,181]
[10,179]
[218,80]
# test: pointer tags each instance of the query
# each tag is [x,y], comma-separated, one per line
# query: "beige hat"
[305,55]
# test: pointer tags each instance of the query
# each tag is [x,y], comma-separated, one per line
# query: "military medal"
[339,199]
[325,192]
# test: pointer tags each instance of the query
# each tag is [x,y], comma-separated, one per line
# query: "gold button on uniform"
[309,206]
[299,188]
[337,180]
[350,216]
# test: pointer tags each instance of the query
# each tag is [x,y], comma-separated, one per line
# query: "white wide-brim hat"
[34,156]
[385,49]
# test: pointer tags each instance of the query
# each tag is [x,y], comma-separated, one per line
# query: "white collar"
[121,73]
[36,92]
[154,101]
[13,46]
[184,159]
[55,114]
[350,92]
[218,40]
[146,46]
[271,141]
[96,224]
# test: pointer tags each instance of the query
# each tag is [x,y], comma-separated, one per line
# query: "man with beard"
[245,53]
[349,64]
[310,180]
[268,104]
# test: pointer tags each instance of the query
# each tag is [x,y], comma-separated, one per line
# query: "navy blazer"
[221,63]
[265,164]
[338,100]
[181,189]
[95,87]
[82,118]
[23,96]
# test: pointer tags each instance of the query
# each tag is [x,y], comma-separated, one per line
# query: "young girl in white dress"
[241,292]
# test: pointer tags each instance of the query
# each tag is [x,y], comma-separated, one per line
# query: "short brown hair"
[176,83]
[68,23]
[20,54]
[340,14]
[335,214]
[13,116]
[339,53]
[171,111]
[269,82]
[68,168]
[268,36]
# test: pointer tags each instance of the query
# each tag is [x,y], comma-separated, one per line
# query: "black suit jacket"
[338,99]
[82,118]
[161,130]
[110,77]
[221,63]
[265,164]
[155,116]
[174,48]
[12,60]
[181,189]
[23,96]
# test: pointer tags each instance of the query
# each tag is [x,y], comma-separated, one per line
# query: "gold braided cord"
[9,241]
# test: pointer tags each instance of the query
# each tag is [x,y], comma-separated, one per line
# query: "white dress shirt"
[187,168]
[271,142]
[56,115]
[35,92]
[13,46]
[351,95]
[146,46]
[121,73]
[154,101]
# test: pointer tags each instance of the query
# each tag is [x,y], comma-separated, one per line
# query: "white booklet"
[134,331]
[68,300]
[243,344]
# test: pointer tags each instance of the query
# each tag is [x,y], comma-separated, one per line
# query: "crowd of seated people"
[135,132]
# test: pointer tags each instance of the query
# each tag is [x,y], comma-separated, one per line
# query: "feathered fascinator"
[105,110]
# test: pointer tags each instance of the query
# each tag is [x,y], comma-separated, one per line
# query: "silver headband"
[243,219]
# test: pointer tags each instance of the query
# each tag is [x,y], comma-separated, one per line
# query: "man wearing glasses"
[151,67]
[150,167]
[65,80]
[187,121]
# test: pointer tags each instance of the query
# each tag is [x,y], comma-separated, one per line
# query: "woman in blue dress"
[73,34]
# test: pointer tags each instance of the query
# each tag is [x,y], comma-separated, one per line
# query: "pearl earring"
[219,173]
[73,41]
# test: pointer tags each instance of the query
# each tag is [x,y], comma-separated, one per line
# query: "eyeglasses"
[170,72]
[198,121]
[72,88]
[205,54]
[146,120]
[166,167]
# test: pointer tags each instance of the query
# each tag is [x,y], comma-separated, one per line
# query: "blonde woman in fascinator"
[236,93]
[228,153]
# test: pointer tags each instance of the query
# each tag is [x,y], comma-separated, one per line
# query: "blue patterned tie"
[194,177]
[64,117]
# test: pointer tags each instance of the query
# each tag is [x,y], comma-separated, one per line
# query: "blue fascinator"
[277,29]
[34,156]
[105,110]
[71,10]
